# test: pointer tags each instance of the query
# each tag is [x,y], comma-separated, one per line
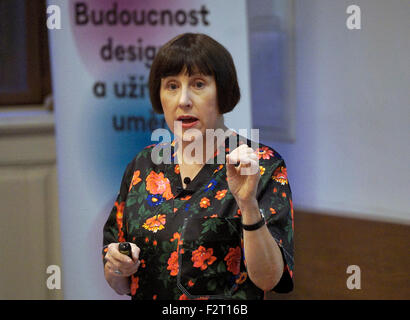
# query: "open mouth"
[187,121]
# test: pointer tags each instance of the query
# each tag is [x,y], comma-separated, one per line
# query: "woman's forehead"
[184,72]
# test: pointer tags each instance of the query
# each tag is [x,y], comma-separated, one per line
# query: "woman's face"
[192,100]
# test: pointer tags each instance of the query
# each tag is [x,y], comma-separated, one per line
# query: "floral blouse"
[191,239]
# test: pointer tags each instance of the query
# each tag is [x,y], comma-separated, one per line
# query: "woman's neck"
[190,152]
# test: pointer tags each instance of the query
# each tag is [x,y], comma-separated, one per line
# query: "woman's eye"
[172,86]
[199,84]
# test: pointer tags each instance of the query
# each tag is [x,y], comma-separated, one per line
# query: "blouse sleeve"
[115,227]
[275,203]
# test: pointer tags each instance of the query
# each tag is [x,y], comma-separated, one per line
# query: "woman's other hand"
[120,267]
[243,179]
[119,264]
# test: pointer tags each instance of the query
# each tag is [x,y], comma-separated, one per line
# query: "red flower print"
[264,153]
[273,211]
[184,297]
[135,179]
[119,216]
[242,278]
[280,175]
[134,284]
[203,257]
[221,193]
[205,203]
[177,169]
[233,260]
[291,212]
[158,184]
[219,168]
[176,236]
[173,264]
[290,271]
[155,223]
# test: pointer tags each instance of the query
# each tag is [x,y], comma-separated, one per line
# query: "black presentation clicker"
[125,248]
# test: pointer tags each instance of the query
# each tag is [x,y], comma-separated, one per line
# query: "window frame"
[37,58]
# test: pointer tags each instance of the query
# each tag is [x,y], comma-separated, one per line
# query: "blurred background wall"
[348,165]
[352,149]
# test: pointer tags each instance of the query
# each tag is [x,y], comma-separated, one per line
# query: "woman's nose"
[185,98]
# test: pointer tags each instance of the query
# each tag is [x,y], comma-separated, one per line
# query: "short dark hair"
[198,53]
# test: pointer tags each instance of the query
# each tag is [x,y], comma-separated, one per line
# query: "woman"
[199,229]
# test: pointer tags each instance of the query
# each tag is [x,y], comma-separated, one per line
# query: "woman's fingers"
[135,251]
[120,264]
[230,167]
[250,168]
[246,157]
[242,152]
[237,152]
[122,269]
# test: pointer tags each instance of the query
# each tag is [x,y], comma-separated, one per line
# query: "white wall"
[352,149]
